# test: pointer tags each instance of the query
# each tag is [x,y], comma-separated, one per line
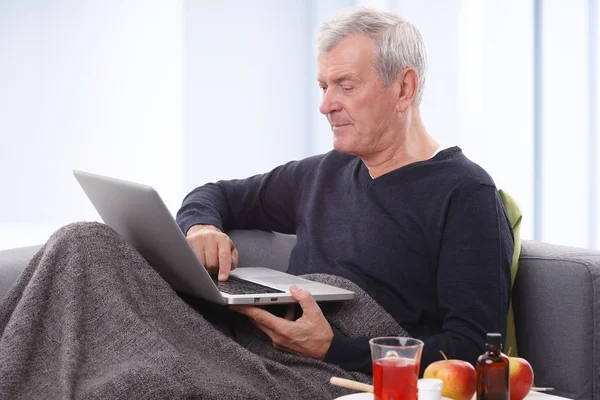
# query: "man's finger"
[200,254]
[266,330]
[276,339]
[198,249]
[263,328]
[235,257]
[306,300]
[291,312]
[224,259]
[211,259]
[264,317]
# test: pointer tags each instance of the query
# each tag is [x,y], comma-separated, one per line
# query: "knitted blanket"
[89,318]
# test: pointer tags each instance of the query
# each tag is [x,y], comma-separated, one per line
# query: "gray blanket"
[89,318]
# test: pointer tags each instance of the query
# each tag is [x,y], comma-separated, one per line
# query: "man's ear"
[409,83]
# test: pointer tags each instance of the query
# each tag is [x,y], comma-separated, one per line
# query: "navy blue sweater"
[430,241]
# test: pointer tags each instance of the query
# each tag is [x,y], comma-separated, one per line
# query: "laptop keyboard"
[235,285]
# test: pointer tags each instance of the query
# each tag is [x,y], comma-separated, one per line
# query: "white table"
[536,396]
[531,396]
[542,396]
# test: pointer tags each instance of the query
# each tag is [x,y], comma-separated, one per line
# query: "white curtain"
[93,85]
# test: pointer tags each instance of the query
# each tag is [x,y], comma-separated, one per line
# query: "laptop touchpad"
[282,280]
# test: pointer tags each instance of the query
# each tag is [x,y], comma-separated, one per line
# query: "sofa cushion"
[263,249]
[513,210]
[557,316]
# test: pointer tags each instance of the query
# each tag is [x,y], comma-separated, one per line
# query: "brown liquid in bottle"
[493,377]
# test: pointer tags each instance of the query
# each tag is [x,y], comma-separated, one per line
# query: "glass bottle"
[493,379]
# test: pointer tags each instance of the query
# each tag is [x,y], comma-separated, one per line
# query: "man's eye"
[347,88]
[323,89]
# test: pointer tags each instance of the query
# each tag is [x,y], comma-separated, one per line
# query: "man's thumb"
[307,302]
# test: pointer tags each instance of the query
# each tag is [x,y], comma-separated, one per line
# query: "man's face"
[362,112]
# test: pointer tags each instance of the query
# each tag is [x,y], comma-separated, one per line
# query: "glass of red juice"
[395,367]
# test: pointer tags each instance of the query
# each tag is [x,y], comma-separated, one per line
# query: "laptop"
[140,216]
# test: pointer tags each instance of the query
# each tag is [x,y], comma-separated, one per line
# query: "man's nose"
[329,103]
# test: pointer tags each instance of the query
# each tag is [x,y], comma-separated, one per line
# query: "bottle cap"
[430,384]
[430,389]
[493,341]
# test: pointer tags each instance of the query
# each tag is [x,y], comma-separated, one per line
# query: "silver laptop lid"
[129,208]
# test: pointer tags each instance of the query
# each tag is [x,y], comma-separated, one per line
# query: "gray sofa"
[556,299]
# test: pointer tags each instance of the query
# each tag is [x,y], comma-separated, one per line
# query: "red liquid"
[395,379]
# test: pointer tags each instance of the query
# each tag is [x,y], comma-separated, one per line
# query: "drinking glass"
[396,363]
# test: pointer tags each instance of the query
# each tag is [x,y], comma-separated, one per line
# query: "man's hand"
[309,335]
[214,248]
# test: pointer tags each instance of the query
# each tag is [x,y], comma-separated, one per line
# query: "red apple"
[460,378]
[521,377]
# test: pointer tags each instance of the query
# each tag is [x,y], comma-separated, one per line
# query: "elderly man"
[422,231]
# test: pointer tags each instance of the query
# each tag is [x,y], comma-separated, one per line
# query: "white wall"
[94,85]
[245,86]
[565,117]
[178,93]
[495,90]
[439,25]
[595,123]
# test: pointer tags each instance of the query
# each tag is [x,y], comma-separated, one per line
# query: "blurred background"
[176,93]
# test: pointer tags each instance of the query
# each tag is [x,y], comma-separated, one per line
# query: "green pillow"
[514,215]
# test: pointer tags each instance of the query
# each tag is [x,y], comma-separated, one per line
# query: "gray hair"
[398,43]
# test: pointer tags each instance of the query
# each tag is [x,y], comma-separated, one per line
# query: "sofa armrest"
[12,263]
[556,299]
